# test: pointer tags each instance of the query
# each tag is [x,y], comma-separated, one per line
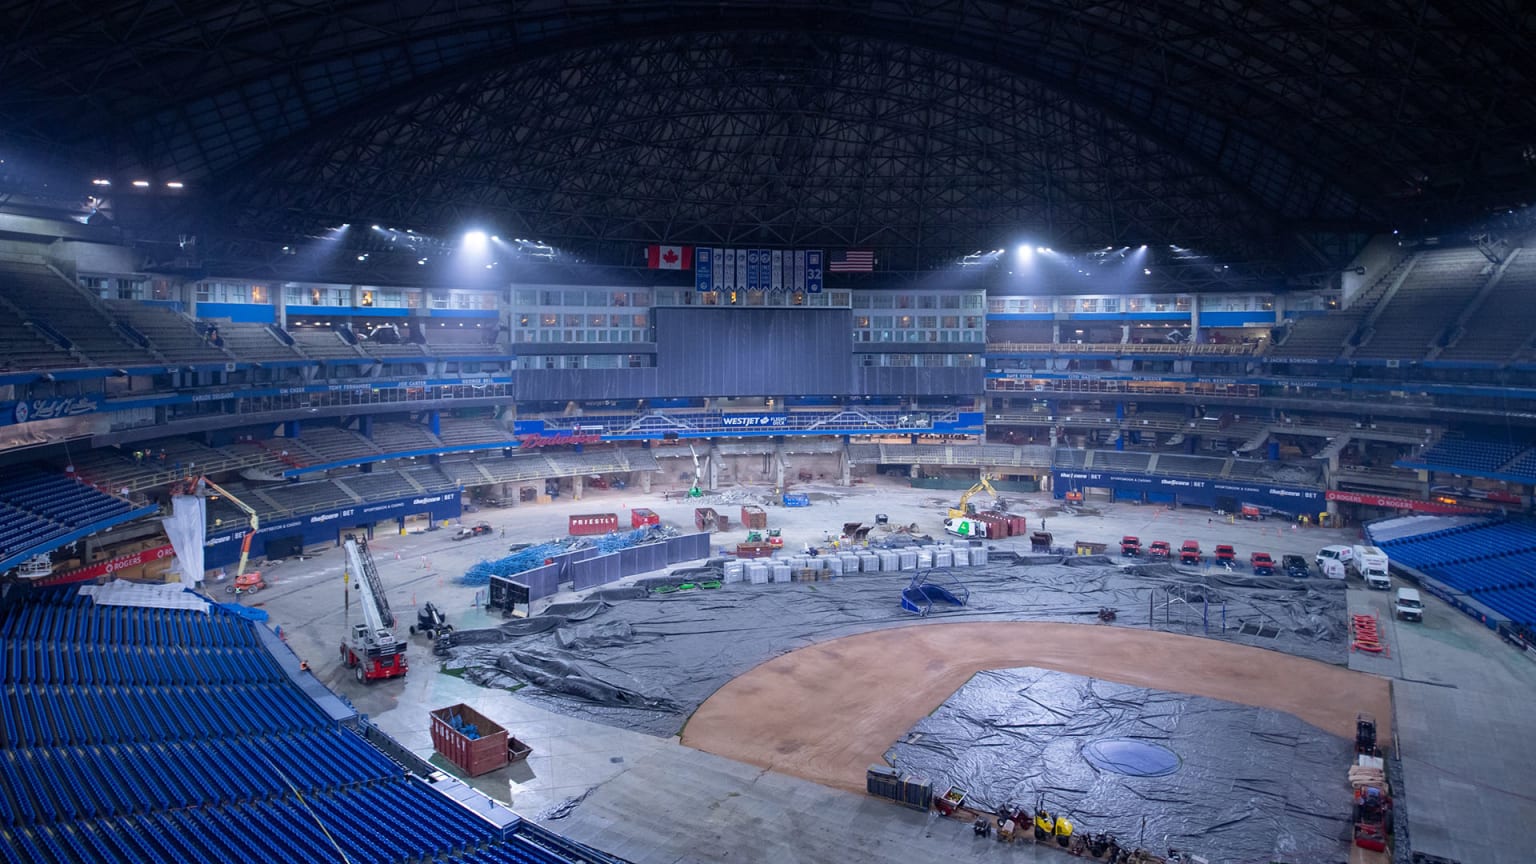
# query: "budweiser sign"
[1395,503]
[557,440]
[109,566]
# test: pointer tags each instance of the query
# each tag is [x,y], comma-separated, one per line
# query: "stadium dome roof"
[1248,130]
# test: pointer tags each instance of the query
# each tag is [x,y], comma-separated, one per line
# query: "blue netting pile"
[535,556]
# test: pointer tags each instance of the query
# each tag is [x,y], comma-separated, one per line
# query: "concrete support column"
[576,487]
[1056,332]
[645,481]
[778,473]
[712,471]
[365,426]
[1125,334]
[846,466]
[290,429]
[1194,319]
[435,422]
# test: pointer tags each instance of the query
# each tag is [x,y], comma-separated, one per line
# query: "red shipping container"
[474,756]
[997,526]
[594,523]
[641,517]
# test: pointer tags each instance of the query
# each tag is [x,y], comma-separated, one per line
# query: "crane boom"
[965,509]
[255,521]
[371,647]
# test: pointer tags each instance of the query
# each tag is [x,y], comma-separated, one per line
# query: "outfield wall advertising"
[222,550]
[1194,491]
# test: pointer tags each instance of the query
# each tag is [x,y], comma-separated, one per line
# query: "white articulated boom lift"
[370,647]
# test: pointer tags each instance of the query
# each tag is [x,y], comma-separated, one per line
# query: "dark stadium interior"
[373,266]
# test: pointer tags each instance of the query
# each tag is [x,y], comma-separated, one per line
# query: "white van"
[966,527]
[1340,555]
[1409,606]
[1371,563]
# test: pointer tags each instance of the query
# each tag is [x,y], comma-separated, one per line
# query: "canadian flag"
[669,257]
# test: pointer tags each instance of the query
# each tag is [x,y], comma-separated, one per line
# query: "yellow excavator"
[966,508]
[245,583]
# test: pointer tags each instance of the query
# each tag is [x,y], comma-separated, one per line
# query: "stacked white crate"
[781,572]
[978,555]
[889,560]
[850,562]
[869,562]
[943,556]
[734,571]
[962,555]
[907,560]
[834,566]
[924,558]
[757,573]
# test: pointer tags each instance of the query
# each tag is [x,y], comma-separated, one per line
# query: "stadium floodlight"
[101,181]
[1026,252]
[1146,271]
[141,184]
[175,184]
[475,240]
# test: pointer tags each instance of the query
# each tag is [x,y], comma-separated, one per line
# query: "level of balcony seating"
[1525,466]
[171,333]
[600,460]
[1506,318]
[42,294]
[456,431]
[307,497]
[1435,291]
[1111,460]
[1458,454]
[400,437]
[391,350]
[1274,472]
[431,478]
[1185,466]
[450,341]
[143,734]
[325,345]
[378,485]
[331,444]
[254,343]
[21,348]
[465,472]
[1319,336]
[1493,562]
[38,508]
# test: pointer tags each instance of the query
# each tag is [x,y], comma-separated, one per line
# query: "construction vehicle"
[698,474]
[465,532]
[961,527]
[245,583]
[431,621]
[370,649]
[776,538]
[1160,549]
[966,509]
[1130,546]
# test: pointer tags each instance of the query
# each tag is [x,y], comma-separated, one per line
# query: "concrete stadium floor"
[652,799]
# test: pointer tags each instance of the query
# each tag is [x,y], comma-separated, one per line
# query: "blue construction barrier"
[799,500]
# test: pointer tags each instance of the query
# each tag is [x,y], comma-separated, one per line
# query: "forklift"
[431,621]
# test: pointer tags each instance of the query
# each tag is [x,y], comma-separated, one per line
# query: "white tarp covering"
[120,592]
[186,527]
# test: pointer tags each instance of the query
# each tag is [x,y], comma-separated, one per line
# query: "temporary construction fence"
[599,564]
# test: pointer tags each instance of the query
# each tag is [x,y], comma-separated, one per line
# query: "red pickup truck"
[1189,553]
[1130,546]
[1160,549]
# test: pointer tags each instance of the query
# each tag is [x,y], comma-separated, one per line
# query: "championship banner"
[729,270]
[776,276]
[741,268]
[797,273]
[754,270]
[717,283]
[703,269]
[813,271]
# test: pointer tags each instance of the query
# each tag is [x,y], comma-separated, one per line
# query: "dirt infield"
[827,712]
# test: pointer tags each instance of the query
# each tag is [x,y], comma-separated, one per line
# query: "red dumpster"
[641,517]
[753,517]
[469,739]
[593,523]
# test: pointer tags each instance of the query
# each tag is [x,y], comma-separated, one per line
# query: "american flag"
[852,261]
